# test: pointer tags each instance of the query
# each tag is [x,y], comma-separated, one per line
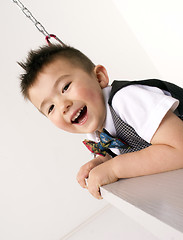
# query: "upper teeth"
[77,114]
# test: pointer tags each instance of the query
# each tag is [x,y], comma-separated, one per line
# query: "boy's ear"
[101,75]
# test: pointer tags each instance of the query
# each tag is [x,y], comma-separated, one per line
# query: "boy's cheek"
[87,93]
[63,126]
[57,122]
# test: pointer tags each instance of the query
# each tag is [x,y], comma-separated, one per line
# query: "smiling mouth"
[80,117]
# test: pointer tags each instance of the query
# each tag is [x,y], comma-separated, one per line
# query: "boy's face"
[71,98]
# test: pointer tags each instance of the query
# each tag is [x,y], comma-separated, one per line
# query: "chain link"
[38,25]
[29,15]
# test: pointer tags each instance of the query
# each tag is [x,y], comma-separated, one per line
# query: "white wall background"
[157,25]
[39,196]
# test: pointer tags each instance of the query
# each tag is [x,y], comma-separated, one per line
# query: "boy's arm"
[165,154]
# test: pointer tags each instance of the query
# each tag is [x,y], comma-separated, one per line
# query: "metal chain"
[38,25]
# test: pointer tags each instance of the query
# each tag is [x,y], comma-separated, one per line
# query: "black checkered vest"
[128,133]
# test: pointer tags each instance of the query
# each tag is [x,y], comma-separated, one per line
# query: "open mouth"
[80,116]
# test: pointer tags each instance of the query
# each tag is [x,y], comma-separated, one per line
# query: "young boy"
[65,86]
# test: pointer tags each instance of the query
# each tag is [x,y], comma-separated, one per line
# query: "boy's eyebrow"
[54,87]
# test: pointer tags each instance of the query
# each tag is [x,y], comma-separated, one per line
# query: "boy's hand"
[101,175]
[86,168]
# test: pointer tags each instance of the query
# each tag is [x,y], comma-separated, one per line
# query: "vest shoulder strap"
[175,91]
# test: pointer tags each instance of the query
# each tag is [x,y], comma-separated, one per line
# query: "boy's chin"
[95,129]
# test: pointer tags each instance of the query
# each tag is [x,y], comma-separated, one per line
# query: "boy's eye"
[65,87]
[50,109]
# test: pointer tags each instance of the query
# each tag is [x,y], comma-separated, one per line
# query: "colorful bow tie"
[106,141]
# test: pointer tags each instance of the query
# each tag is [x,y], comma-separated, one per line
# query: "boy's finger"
[82,182]
[82,176]
[95,191]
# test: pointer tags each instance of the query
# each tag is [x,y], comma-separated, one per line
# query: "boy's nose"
[66,106]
